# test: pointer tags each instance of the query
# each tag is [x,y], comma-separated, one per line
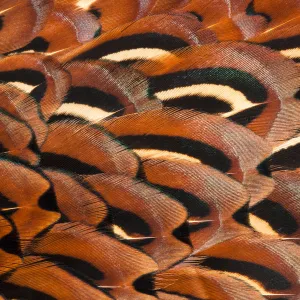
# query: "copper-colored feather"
[149,149]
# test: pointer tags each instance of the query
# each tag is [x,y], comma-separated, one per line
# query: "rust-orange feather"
[150,149]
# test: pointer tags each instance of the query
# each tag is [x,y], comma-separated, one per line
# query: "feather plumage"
[149,149]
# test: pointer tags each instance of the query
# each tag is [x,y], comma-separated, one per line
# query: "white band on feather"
[87,112]
[140,53]
[235,98]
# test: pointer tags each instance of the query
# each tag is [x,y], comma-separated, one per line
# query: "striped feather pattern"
[149,149]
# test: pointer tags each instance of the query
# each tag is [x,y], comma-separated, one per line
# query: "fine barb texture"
[149,149]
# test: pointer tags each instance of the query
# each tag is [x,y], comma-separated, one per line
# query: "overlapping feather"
[149,149]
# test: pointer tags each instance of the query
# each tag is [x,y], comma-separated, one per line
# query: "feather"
[182,132]
[257,259]
[149,149]
[202,283]
[82,243]
[67,26]
[152,217]
[142,39]
[212,211]
[42,77]
[47,277]
[89,208]
[99,151]
[30,199]
[23,107]
[21,20]
[103,90]
[207,79]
